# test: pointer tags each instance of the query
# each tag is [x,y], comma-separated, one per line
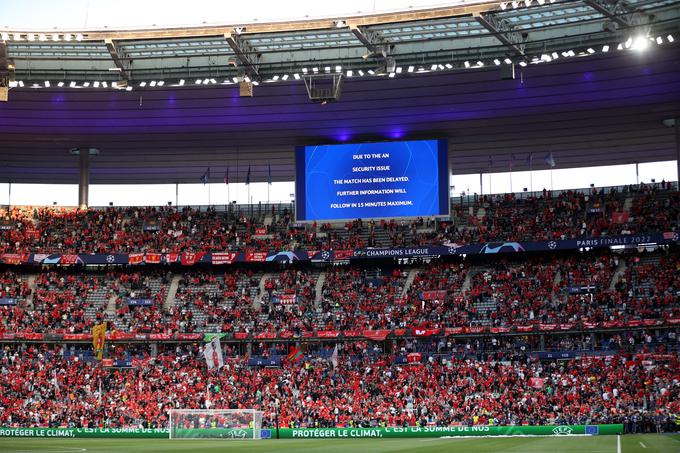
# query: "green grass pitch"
[644,443]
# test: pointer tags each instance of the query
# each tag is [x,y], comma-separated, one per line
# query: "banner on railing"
[190,258]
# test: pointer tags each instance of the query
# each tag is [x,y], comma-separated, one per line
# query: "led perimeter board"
[372,180]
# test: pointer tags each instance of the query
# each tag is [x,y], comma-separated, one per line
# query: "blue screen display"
[372,180]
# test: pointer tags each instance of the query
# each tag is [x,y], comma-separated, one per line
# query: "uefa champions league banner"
[220,258]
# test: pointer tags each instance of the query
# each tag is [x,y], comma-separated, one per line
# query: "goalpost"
[215,424]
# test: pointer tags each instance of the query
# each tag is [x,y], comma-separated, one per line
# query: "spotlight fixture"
[605,48]
[410,69]
[466,64]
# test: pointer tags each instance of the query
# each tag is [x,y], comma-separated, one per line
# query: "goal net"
[215,424]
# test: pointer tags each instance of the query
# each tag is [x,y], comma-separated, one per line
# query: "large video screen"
[372,180]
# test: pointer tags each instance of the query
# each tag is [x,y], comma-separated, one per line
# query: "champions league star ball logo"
[110,258]
[552,245]
[325,255]
[237,434]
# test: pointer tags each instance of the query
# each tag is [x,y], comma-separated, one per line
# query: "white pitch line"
[618,444]
[643,445]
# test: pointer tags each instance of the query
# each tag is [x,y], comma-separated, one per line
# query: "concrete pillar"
[677,147]
[84,178]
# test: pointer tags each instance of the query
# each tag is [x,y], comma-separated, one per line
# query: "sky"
[47,15]
[220,194]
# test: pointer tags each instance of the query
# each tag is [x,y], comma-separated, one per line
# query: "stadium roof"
[518,30]
[574,94]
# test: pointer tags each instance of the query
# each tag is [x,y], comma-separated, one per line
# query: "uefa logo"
[110,258]
[562,431]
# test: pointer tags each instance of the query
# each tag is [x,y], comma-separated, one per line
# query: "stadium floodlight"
[628,43]
[79,37]
[508,61]
[213,81]
[590,50]
[234,79]
[47,83]
[496,61]
[198,82]
[440,66]
[68,37]
[152,83]
[60,84]
[315,70]
[504,6]
[255,82]
[338,68]
[96,84]
[284,77]
[527,3]
[640,43]
[142,84]
[605,48]
[340,24]
[275,78]
[72,84]
[350,73]
[304,70]
[555,55]
[86,84]
[410,69]
[42,37]
[161,83]
[391,75]
[17,37]
[400,69]
[480,63]
[371,72]
[55,36]
[515,4]
[523,63]
[104,84]
[361,73]
[433,67]
[128,88]
[327,69]
[466,64]
[619,47]
[670,38]
[659,40]
[5,36]
[227,424]
[181,82]
[541,2]
[296,76]
[30,37]
[571,53]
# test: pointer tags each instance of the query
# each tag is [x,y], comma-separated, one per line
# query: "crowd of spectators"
[512,217]
[41,387]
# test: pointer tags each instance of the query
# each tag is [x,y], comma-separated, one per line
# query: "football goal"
[215,424]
